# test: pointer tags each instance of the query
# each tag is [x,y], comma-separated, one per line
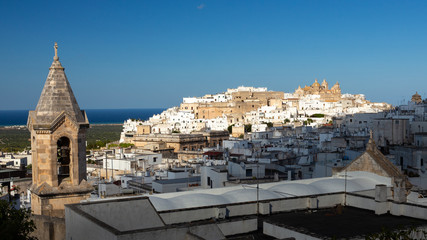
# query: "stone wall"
[49,228]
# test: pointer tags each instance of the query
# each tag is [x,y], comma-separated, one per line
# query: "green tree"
[318,115]
[126,145]
[287,121]
[15,223]
[248,128]
[112,145]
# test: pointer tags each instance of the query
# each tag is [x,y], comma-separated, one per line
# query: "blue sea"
[95,116]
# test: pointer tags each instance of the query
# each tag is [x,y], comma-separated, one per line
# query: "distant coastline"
[18,118]
[24,126]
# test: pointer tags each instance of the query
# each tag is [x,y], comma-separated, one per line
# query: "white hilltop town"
[245,164]
[313,105]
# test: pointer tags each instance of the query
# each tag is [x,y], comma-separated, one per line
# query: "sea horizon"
[95,116]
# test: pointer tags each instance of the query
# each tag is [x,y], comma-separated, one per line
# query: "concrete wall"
[81,227]
[190,215]
[250,208]
[236,170]
[362,202]
[238,227]
[125,215]
[173,187]
[284,233]
[117,164]
[197,232]
[172,233]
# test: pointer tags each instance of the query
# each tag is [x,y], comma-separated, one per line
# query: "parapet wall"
[266,207]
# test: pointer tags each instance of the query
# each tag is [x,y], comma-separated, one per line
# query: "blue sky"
[149,54]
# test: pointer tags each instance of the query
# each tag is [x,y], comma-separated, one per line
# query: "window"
[422,162]
[154,159]
[248,172]
[209,181]
[63,164]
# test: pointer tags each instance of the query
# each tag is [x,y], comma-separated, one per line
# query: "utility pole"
[257,185]
[106,166]
[345,188]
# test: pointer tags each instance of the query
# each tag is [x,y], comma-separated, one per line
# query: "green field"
[18,139]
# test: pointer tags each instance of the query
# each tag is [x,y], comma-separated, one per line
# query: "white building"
[244,170]
[213,177]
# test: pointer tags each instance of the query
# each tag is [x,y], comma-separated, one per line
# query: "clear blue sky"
[149,54]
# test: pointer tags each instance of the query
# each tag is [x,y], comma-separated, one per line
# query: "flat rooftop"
[178,180]
[348,222]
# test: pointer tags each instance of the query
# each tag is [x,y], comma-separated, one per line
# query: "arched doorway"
[63,165]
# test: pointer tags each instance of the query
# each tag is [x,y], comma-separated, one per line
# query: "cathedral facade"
[326,94]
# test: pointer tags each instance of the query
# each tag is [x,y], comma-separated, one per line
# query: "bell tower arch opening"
[64,158]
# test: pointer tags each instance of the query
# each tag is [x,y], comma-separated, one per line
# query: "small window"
[154,159]
[248,172]
[209,181]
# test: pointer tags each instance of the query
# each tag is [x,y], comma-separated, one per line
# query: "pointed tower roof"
[57,96]
[372,160]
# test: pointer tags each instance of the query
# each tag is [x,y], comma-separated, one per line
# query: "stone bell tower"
[58,142]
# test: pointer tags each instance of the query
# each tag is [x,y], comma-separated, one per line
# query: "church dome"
[416,98]
[316,83]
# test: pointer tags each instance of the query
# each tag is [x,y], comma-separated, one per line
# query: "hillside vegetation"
[15,139]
